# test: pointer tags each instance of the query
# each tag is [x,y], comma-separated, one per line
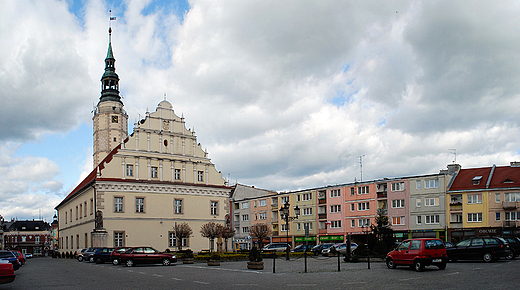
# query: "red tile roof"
[501,177]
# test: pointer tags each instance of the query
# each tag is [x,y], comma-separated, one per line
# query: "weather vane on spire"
[110,21]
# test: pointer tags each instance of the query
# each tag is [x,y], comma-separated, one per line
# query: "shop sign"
[303,239]
[331,238]
[487,231]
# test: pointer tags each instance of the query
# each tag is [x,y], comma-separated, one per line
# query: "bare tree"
[227,233]
[211,231]
[182,231]
[260,231]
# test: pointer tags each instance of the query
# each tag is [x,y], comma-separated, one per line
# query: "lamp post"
[284,214]
[368,248]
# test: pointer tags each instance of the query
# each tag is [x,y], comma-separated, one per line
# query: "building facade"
[27,236]
[144,184]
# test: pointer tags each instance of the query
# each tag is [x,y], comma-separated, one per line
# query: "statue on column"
[99,219]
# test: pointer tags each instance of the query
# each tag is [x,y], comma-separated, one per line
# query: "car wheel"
[80,258]
[510,255]
[390,264]
[130,263]
[487,257]
[98,261]
[418,266]
[91,259]
[441,266]
[166,262]
[115,262]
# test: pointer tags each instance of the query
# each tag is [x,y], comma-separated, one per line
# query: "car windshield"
[464,243]
[404,245]
[6,255]
[433,244]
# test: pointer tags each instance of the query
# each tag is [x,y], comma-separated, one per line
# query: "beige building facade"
[146,183]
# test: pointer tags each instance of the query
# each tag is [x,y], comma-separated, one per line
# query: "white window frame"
[428,201]
[335,193]
[245,217]
[335,208]
[399,219]
[398,203]
[362,206]
[245,204]
[118,206]
[335,224]
[154,172]
[418,184]
[306,211]
[177,205]
[177,174]
[262,202]
[262,215]
[397,186]
[475,198]
[475,217]
[213,208]
[432,219]
[139,204]
[431,183]
[419,220]
[129,170]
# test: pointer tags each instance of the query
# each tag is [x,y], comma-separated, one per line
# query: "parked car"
[87,255]
[80,256]
[9,256]
[302,248]
[102,255]
[146,255]
[276,247]
[342,248]
[319,247]
[418,253]
[6,272]
[326,248]
[114,256]
[514,247]
[486,248]
[28,255]
[19,256]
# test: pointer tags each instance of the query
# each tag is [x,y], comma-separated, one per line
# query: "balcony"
[456,206]
[509,204]
[274,205]
[275,234]
[322,201]
[509,224]
[322,216]
[381,195]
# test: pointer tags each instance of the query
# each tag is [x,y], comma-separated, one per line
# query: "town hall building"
[142,184]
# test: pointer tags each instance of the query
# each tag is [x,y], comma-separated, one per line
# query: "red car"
[146,255]
[6,272]
[114,257]
[21,258]
[418,253]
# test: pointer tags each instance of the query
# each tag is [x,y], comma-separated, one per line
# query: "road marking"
[350,283]
[300,285]
[142,273]
[200,282]
[245,284]
[452,273]
[177,279]
[415,278]
[157,275]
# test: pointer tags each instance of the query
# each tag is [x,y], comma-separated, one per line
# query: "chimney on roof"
[453,168]
[515,164]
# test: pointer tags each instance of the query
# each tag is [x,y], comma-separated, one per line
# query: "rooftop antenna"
[165,96]
[361,165]
[454,152]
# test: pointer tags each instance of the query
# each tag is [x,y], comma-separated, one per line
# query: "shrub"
[255,255]
[187,254]
[214,257]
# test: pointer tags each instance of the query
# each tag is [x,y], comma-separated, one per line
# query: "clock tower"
[110,121]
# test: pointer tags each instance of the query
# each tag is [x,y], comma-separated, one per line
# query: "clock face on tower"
[115,119]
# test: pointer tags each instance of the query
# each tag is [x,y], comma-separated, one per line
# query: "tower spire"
[110,79]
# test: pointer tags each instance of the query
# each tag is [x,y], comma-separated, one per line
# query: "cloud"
[284,95]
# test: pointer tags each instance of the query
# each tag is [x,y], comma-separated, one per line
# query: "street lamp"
[368,248]
[284,214]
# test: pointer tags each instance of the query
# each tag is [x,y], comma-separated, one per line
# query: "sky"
[284,95]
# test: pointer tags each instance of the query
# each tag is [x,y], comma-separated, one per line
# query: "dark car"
[486,248]
[146,255]
[418,253]
[6,272]
[302,248]
[87,255]
[319,247]
[114,257]
[102,255]
[9,256]
[514,247]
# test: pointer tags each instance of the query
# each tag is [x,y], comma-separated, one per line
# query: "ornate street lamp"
[284,214]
